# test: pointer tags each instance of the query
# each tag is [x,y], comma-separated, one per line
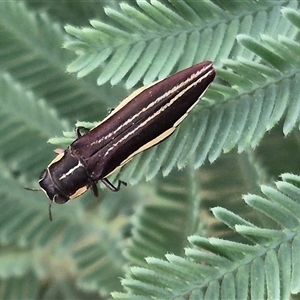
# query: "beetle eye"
[60,199]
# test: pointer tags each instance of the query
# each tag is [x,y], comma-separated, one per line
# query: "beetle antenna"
[32,189]
[50,211]
[50,203]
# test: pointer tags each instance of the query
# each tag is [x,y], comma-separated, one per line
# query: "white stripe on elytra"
[159,99]
[71,170]
[170,103]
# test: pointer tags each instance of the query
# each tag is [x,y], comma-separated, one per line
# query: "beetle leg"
[110,110]
[111,186]
[79,129]
[94,189]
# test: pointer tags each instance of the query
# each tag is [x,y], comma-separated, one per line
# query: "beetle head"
[51,189]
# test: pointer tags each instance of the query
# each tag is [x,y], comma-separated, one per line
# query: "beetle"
[144,119]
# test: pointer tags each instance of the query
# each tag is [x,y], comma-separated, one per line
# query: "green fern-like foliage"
[266,267]
[186,234]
